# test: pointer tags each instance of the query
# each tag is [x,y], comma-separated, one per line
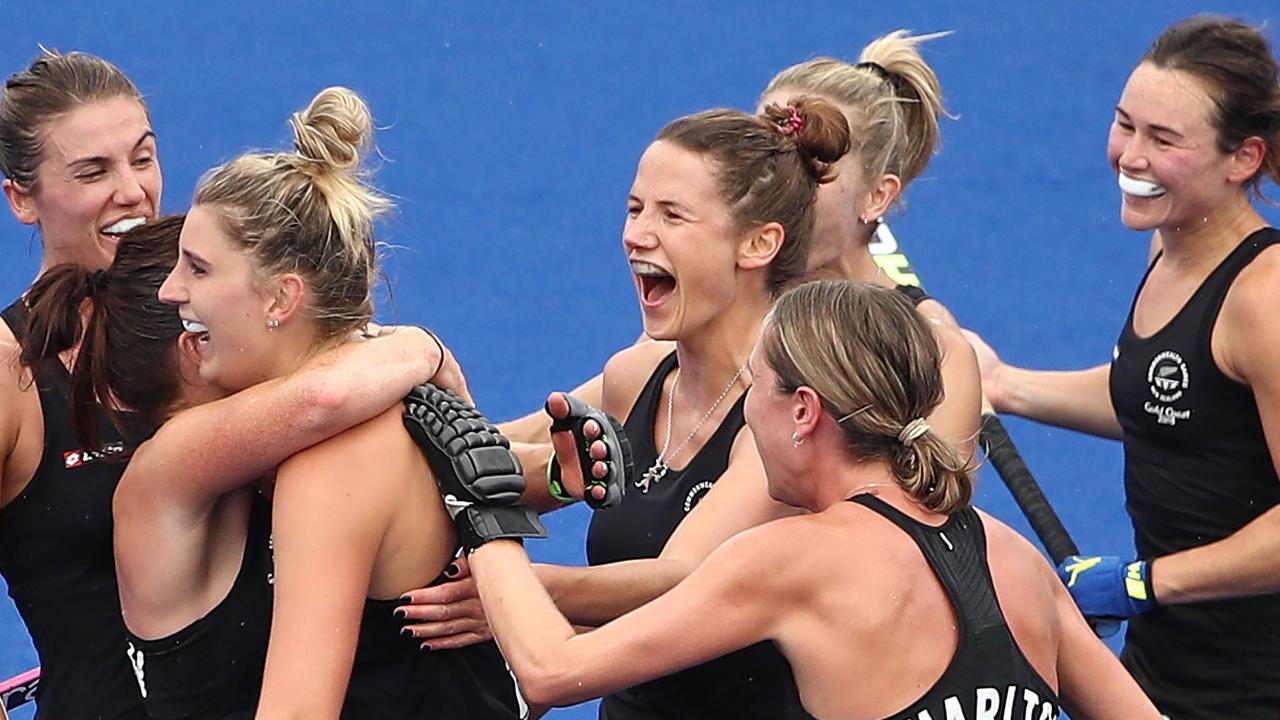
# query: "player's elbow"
[318,404]
[547,684]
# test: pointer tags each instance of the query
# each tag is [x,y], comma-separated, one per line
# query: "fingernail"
[452,570]
[425,647]
[400,613]
[405,598]
[406,632]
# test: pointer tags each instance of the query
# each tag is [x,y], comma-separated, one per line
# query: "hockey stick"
[1022,485]
[995,440]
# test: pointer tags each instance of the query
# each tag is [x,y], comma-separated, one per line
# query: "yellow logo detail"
[898,268]
[1078,565]
[1133,583]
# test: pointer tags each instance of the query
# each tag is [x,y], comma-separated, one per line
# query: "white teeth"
[192,326]
[644,268]
[123,226]
[1139,188]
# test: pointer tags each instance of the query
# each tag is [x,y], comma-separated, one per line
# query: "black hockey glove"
[480,478]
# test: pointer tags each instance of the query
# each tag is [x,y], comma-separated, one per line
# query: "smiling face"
[1163,148]
[98,176]
[214,286]
[680,240]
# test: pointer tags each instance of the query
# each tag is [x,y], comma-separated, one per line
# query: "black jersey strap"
[15,316]
[914,293]
[957,553]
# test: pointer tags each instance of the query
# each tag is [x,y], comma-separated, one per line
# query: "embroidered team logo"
[695,495]
[1168,380]
[1167,376]
[76,458]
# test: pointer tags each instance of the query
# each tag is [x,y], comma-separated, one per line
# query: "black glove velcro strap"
[469,457]
[478,524]
[614,437]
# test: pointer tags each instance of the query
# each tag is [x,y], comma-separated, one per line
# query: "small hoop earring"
[796,440]
[273,323]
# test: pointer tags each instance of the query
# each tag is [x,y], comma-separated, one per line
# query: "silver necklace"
[662,464]
[869,486]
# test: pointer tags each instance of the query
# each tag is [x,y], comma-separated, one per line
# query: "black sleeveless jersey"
[988,676]
[1197,469]
[914,293]
[754,682]
[394,679]
[212,668]
[55,555]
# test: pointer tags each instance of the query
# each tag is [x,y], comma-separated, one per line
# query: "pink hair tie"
[794,123]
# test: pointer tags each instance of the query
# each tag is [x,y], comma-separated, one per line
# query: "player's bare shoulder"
[626,373]
[21,434]
[938,314]
[1246,329]
[1013,560]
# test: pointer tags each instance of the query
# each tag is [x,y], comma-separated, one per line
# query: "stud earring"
[273,323]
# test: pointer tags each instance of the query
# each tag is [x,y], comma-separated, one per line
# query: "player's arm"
[733,600]
[535,428]
[739,500]
[210,449]
[446,616]
[10,409]
[614,390]
[1248,561]
[1092,683]
[1075,399]
[325,539]
[958,418]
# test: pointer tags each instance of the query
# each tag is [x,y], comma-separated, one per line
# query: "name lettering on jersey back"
[991,704]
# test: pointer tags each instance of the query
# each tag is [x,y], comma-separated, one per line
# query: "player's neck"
[718,349]
[857,263]
[1202,245]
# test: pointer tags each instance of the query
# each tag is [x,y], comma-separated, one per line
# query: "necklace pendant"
[655,473]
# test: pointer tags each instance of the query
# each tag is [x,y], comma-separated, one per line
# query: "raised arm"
[725,606]
[535,428]
[210,449]
[1075,399]
[739,500]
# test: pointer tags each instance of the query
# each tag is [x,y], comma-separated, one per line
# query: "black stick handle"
[1026,491]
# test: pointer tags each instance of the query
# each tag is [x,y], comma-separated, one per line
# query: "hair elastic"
[876,69]
[793,124]
[912,431]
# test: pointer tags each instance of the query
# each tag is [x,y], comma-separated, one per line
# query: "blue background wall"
[510,135]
